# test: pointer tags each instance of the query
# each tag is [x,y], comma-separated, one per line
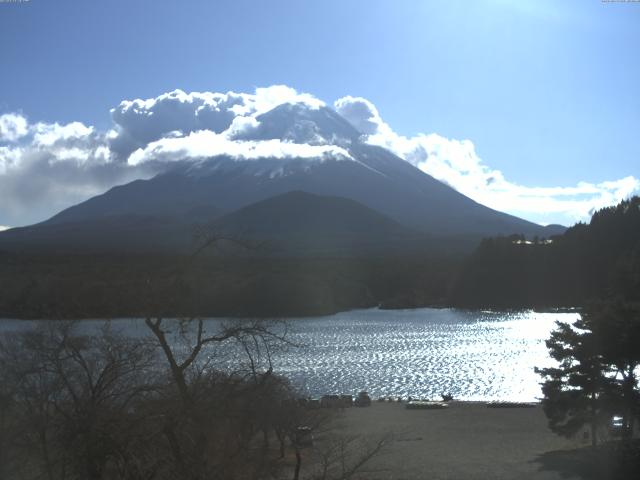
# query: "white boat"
[426,405]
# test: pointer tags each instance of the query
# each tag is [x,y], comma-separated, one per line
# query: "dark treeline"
[596,260]
[109,286]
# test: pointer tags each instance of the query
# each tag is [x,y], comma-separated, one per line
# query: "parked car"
[363,400]
[618,427]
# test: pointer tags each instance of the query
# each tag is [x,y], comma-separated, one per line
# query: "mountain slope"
[300,212]
[291,223]
[111,233]
[369,175]
[378,180]
[302,222]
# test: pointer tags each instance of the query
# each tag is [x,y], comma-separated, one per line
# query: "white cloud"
[140,122]
[45,167]
[456,163]
[47,135]
[362,114]
[266,99]
[54,166]
[9,158]
[205,144]
[178,126]
[13,126]
[242,126]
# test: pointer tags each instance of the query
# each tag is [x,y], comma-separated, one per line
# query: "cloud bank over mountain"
[47,167]
[178,114]
[456,163]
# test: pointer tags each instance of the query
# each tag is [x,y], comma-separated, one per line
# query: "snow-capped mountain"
[342,165]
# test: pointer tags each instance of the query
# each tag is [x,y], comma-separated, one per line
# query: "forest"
[109,286]
[600,259]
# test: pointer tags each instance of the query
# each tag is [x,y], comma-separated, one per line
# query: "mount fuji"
[350,180]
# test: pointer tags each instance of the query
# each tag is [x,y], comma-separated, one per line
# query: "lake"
[475,355]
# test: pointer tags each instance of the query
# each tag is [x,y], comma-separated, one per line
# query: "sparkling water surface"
[423,352]
[475,355]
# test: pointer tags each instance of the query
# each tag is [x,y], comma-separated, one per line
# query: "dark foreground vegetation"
[595,383]
[611,461]
[183,402]
[593,391]
[169,405]
[596,260]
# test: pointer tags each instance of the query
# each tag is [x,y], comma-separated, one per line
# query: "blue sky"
[546,91]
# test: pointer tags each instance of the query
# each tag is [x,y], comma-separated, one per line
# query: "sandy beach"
[465,441]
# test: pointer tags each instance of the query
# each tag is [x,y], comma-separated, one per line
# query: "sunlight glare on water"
[422,353]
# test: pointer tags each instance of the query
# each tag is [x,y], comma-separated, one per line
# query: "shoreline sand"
[467,440]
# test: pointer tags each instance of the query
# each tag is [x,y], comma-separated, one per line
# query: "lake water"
[475,355]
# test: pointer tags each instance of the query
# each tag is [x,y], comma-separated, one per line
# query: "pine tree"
[575,391]
[596,377]
[616,328]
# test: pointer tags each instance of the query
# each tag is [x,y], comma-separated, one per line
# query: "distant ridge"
[294,222]
[304,222]
[300,212]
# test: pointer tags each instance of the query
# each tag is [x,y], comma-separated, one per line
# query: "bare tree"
[344,457]
[195,400]
[73,397]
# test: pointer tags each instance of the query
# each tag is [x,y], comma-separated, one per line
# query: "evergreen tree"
[616,328]
[575,391]
[596,377]
[596,260]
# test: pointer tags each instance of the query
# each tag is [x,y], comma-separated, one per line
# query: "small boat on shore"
[425,405]
[511,405]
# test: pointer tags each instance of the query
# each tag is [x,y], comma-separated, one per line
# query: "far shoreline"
[301,316]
